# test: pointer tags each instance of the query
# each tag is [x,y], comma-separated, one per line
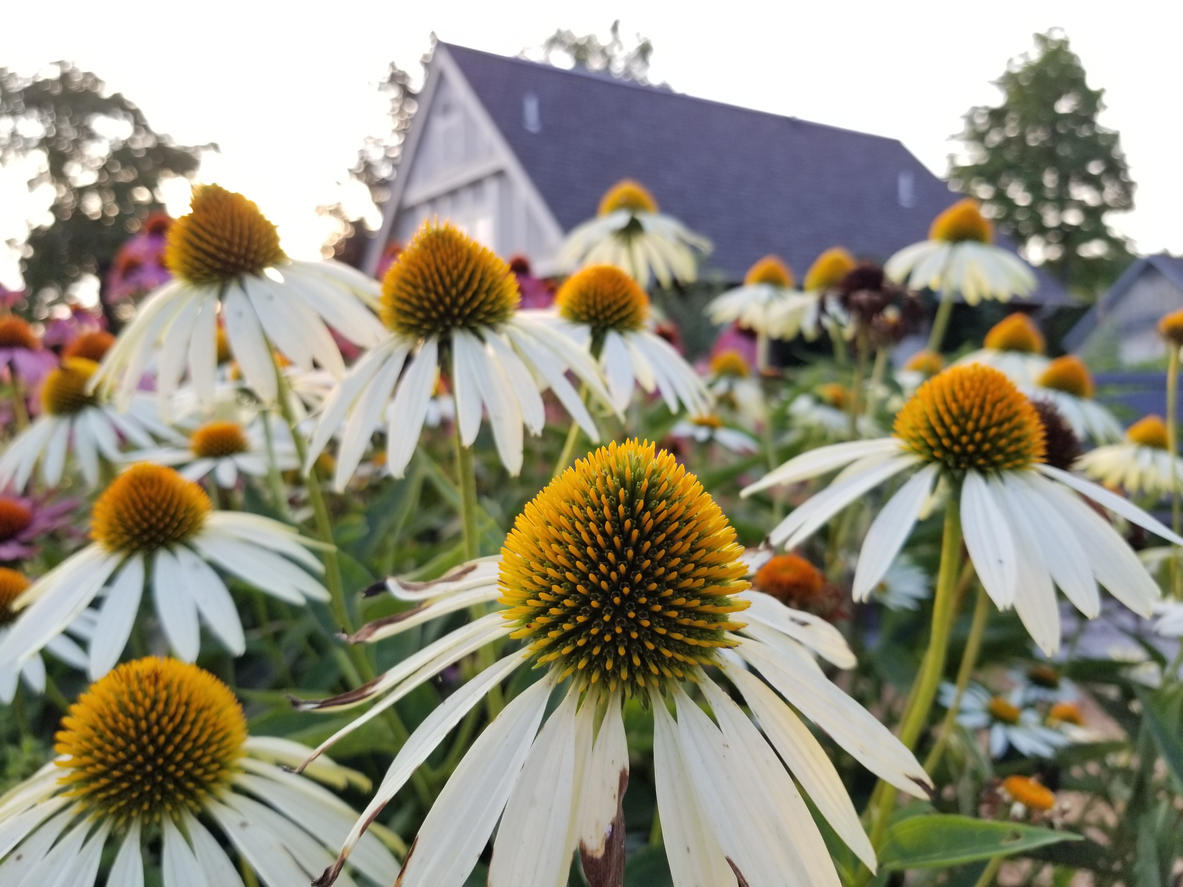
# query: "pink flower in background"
[389,256]
[24,521]
[139,263]
[536,292]
[61,331]
[10,298]
[736,338]
[21,352]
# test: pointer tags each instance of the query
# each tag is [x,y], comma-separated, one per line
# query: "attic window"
[906,190]
[531,119]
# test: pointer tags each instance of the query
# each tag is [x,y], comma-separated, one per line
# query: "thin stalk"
[861,347]
[878,371]
[969,659]
[989,873]
[1173,448]
[763,348]
[572,439]
[337,602]
[932,667]
[20,410]
[279,495]
[466,482]
[940,323]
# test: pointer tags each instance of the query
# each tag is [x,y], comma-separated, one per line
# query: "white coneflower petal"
[890,529]
[988,537]
[116,617]
[819,635]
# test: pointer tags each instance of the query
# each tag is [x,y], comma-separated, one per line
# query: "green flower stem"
[969,659]
[940,323]
[573,433]
[20,411]
[279,495]
[466,480]
[337,603]
[932,667]
[989,873]
[862,345]
[466,483]
[878,371]
[1173,447]
[763,349]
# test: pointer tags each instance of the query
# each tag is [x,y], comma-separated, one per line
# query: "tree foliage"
[99,158]
[588,51]
[1048,171]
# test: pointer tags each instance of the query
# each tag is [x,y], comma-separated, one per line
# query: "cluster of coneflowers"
[253,403]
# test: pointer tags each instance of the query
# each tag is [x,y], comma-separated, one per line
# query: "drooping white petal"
[176,610]
[1112,501]
[822,460]
[808,517]
[806,760]
[211,858]
[603,782]
[691,846]
[116,618]
[422,742]
[532,840]
[179,865]
[462,818]
[207,591]
[408,411]
[128,868]
[249,344]
[814,632]
[989,540]
[890,529]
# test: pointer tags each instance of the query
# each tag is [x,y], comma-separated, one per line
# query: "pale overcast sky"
[288,90]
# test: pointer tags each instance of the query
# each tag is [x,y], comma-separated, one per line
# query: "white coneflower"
[1141,464]
[1007,722]
[226,261]
[960,257]
[75,422]
[153,527]
[631,234]
[606,312]
[1014,346]
[1067,384]
[450,305]
[226,448]
[1025,527]
[622,579]
[156,779]
[12,584]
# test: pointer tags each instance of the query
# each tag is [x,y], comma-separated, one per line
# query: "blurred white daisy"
[450,306]
[151,527]
[1168,619]
[12,584]
[732,386]
[606,312]
[825,411]
[709,428]
[226,449]
[1015,346]
[960,257]
[767,303]
[157,781]
[631,234]
[1141,465]
[76,422]
[918,369]
[1009,724]
[226,261]
[816,309]
[609,606]
[904,586]
[1043,682]
[970,429]
[1068,385]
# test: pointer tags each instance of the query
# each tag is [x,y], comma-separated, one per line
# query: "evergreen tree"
[1046,169]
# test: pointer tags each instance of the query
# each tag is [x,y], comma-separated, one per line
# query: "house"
[518,153]
[1120,329]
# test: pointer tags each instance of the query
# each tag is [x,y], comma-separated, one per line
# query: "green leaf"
[1162,718]
[936,841]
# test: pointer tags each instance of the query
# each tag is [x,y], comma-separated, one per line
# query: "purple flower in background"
[21,352]
[536,292]
[24,521]
[61,331]
[139,263]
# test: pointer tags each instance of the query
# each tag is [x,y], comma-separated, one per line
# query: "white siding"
[1127,334]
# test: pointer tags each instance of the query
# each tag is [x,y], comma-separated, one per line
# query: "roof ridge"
[599,77]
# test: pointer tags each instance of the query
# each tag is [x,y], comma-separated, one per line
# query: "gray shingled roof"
[754,183]
[1170,267]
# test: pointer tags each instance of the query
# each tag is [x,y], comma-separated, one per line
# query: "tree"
[589,52]
[102,161]
[1047,171]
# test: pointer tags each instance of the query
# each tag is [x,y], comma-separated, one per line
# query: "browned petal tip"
[357,694]
[368,630]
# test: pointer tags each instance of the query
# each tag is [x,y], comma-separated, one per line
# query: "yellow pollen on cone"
[1150,431]
[960,222]
[1015,332]
[771,271]
[629,195]
[828,269]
